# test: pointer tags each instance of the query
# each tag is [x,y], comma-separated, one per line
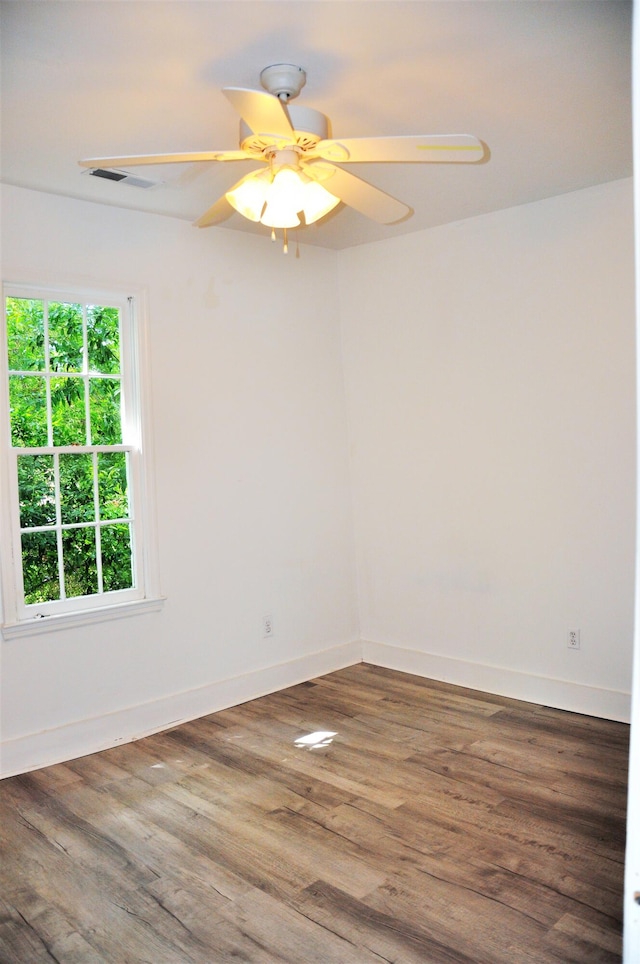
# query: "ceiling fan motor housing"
[309,127]
[285,81]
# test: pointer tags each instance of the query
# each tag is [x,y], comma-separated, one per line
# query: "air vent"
[134,180]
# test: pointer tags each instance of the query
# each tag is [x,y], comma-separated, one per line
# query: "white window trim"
[89,609]
[48,624]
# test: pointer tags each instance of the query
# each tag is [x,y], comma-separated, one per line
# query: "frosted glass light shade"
[317,202]
[250,195]
[284,200]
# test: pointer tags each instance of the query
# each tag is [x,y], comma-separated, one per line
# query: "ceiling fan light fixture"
[276,200]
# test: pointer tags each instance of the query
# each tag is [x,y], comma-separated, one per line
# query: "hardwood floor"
[437,824]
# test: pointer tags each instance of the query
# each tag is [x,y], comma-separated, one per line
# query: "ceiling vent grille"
[133,180]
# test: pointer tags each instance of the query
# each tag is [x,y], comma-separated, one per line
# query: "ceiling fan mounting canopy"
[284,81]
[296,142]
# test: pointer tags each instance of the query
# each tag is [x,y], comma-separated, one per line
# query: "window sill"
[48,624]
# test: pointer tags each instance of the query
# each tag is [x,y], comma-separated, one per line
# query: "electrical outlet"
[267,626]
[573,639]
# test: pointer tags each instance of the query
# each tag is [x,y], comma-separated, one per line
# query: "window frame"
[17,616]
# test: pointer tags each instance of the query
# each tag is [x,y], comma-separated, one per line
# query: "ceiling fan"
[300,179]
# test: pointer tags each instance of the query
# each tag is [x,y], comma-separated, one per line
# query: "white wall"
[490,374]
[490,379]
[251,471]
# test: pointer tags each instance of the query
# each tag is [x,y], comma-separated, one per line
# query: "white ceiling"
[546,84]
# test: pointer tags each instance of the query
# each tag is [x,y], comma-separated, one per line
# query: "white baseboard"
[561,694]
[72,740]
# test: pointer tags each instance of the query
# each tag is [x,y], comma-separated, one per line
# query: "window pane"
[65,337]
[79,558]
[112,485]
[104,402]
[103,338]
[28,402]
[68,411]
[76,488]
[36,491]
[116,557]
[25,334]
[40,567]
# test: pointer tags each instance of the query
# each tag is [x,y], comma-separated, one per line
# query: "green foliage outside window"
[65,391]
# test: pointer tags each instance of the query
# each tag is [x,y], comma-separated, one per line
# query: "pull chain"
[285,241]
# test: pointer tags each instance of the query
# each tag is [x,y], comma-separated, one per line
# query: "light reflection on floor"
[313,741]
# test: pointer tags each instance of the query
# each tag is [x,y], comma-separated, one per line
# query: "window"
[73,435]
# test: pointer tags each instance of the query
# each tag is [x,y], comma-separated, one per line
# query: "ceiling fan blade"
[358,194]
[416,149]
[218,212]
[263,112]
[143,159]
